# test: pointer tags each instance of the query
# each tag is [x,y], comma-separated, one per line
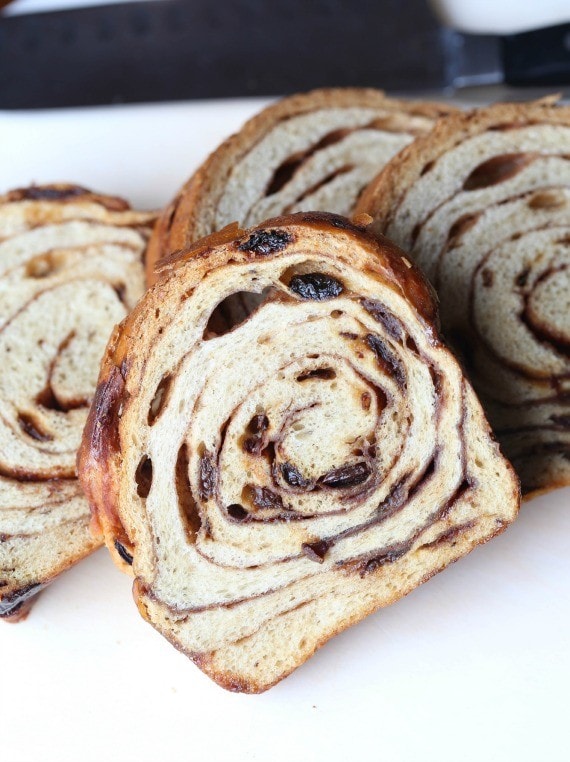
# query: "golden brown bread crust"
[178,226]
[387,193]
[110,448]
[52,237]
[381,196]
[98,458]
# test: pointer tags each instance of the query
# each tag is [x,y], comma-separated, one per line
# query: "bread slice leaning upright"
[71,266]
[483,206]
[315,151]
[270,479]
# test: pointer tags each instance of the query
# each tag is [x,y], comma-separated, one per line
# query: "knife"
[165,50]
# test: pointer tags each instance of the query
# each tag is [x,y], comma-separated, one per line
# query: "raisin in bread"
[483,206]
[271,478]
[315,151]
[70,268]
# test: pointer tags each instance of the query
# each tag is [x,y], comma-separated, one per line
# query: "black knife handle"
[540,57]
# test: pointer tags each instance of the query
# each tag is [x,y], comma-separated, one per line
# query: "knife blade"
[165,50]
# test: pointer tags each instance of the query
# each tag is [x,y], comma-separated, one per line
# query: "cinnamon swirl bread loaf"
[314,151]
[483,206]
[271,478]
[70,268]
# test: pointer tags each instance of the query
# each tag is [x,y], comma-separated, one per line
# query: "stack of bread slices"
[291,427]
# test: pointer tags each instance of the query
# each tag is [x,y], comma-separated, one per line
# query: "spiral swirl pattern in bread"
[315,151]
[483,206]
[70,268]
[271,478]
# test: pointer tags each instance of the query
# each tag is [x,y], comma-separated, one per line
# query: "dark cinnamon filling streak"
[286,171]
[11,605]
[311,452]
[268,504]
[542,332]
[72,267]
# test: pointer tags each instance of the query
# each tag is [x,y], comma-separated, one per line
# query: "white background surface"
[473,666]
[500,16]
[17,7]
[474,16]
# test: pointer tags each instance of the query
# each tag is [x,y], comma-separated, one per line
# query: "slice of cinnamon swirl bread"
[314,151]
[71,266]
[271,478]
[483,206]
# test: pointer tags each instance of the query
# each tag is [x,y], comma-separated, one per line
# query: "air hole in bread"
[283,174]
[41,267]
[496,170]
[121,290]
[324,181]
[459,227]
[427,474]
[143,476]
[285,171]
[411,345]
[232,311]
[426,168]
[522,278]
[416,231]
[327,374]
[33,428]
[157,404]
[547,199]
[46,398]
[437,380]
[381,400]
[188,508]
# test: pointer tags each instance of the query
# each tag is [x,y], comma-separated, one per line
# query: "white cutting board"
[473,666]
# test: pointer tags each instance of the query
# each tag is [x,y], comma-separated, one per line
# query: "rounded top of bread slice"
[482,205]
[382,196]
[313,151]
